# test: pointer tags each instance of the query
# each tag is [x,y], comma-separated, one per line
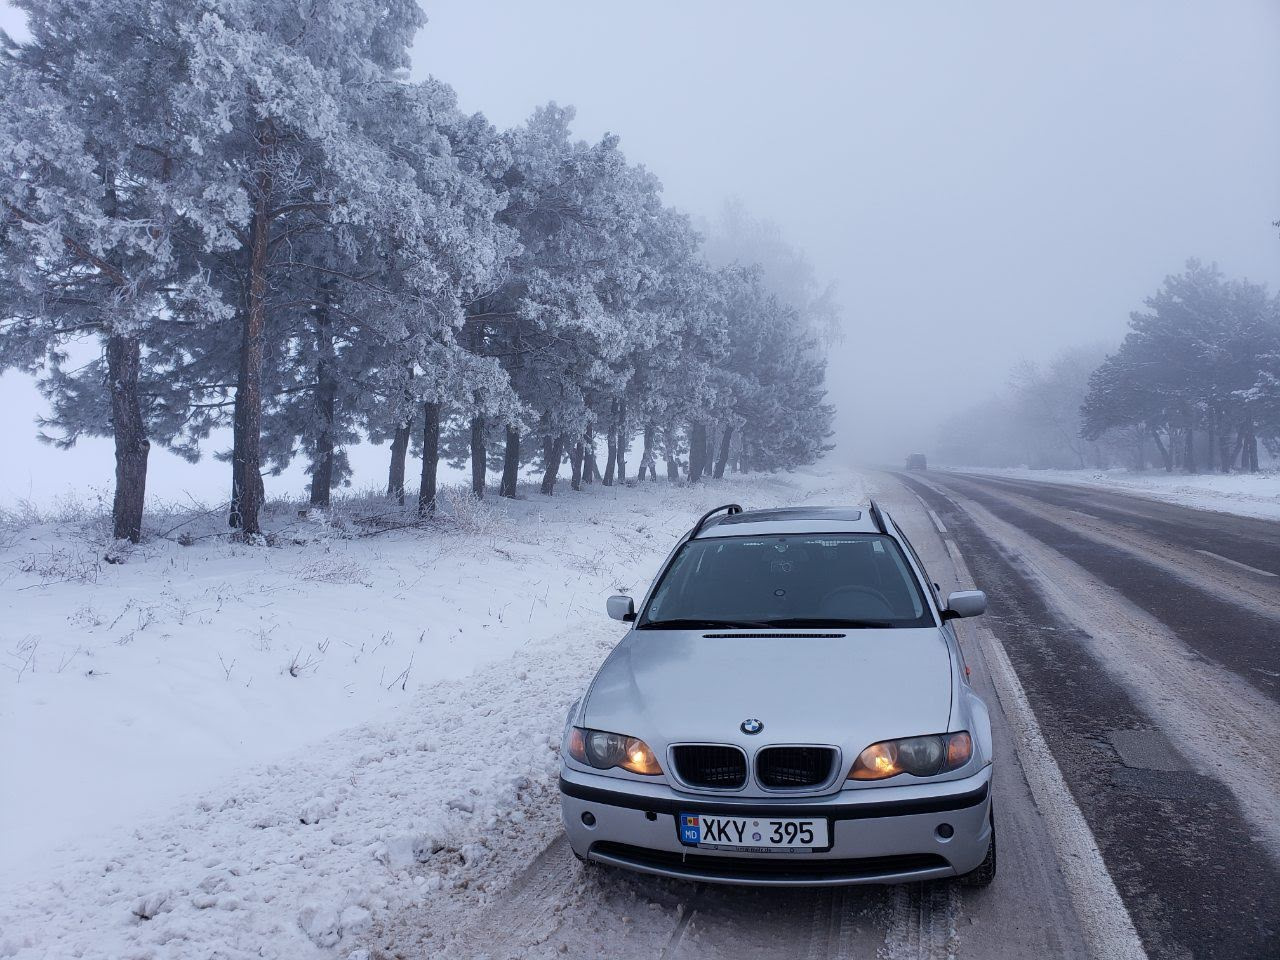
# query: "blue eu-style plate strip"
[690,828]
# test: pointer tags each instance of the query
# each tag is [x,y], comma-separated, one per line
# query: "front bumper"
[879,835]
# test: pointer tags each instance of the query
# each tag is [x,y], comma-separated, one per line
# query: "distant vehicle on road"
[916,461]
[790,708]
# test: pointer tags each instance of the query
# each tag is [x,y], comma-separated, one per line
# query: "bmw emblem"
[752,726]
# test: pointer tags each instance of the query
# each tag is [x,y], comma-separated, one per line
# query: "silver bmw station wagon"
[791,707]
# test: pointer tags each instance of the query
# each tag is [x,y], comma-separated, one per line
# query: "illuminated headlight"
[918,756]
[603,750]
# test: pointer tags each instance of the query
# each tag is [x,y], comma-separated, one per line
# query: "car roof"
[789,520]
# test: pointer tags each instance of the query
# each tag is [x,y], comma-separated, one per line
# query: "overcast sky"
[985,181]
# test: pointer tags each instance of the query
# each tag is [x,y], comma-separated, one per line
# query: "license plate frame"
[720,831]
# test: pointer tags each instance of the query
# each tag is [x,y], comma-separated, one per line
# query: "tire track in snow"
[923,922]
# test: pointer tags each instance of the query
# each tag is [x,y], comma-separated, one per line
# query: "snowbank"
[1245,494]
[257,751]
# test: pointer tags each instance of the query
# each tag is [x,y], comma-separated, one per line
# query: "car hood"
[671,686]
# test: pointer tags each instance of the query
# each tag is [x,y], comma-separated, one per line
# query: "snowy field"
[220,750]
[1245,494]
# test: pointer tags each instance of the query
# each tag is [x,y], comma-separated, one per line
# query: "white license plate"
[753,833]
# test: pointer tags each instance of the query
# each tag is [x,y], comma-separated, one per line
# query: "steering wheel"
[857,589]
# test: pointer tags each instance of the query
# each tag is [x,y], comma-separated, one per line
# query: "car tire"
[985,872]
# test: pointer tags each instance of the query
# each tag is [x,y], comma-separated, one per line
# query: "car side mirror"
[621,608]
[965,603]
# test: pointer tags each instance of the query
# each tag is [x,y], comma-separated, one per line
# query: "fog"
[985,182]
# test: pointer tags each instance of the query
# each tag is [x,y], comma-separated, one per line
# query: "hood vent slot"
[773,636]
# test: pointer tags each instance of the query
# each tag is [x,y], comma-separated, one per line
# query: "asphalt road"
[1130,663]
[1147,638]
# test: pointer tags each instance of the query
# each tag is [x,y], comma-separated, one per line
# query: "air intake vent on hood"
[773,636]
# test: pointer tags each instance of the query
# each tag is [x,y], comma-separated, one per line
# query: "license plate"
[762,834]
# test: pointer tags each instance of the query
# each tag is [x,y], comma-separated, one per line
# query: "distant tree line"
[266,225]
[1194,386]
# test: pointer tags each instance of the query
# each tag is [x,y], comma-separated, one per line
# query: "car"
[789,707]
[917,461]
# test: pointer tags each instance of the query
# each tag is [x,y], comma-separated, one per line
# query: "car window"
[797,580]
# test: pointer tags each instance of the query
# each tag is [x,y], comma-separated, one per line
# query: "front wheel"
[985,872]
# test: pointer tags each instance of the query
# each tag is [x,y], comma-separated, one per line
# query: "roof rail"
[732,508]
[877,517]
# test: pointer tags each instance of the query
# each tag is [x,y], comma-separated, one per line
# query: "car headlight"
[918,756]
[603,750]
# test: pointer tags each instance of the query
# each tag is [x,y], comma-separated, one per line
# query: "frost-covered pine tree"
[97,196]
[274,99]
[567,317]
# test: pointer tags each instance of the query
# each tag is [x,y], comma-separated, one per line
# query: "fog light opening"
[588,818]
[650,816]
[945,831]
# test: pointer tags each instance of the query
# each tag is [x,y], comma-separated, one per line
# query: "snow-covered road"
[1246,494]
[556,908]
[428,826]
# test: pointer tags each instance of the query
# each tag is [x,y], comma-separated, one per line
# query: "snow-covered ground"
[219,750]
[1245,494]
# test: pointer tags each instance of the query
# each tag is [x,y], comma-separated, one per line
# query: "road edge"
[1104,919]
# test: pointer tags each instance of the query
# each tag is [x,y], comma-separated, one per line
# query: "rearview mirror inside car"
[621,608]
[965,603]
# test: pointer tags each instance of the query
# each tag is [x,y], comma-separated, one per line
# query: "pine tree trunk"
[478,456]
[648,454]
[575,466]
[124,360]
[326,402]
[430,460]
[400,446]
[552,451]
[611,461]
[1165,455]
[247,467]
[697,451]
[624,441]
[399,458]
[510,463]
[1225,453]
[725,439]
[237,434]
[1189,450]
[590,469]
[671,451]
[1238,453]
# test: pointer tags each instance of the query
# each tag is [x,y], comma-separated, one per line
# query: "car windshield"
[803,580]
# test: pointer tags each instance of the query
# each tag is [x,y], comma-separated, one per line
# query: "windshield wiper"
[702,625]
[829,622]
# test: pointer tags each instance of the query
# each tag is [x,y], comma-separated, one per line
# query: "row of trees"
[1198,374]
[1195,385]
[266,225]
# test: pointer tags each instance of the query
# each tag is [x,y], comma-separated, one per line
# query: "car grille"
[709,765]
[781,767]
